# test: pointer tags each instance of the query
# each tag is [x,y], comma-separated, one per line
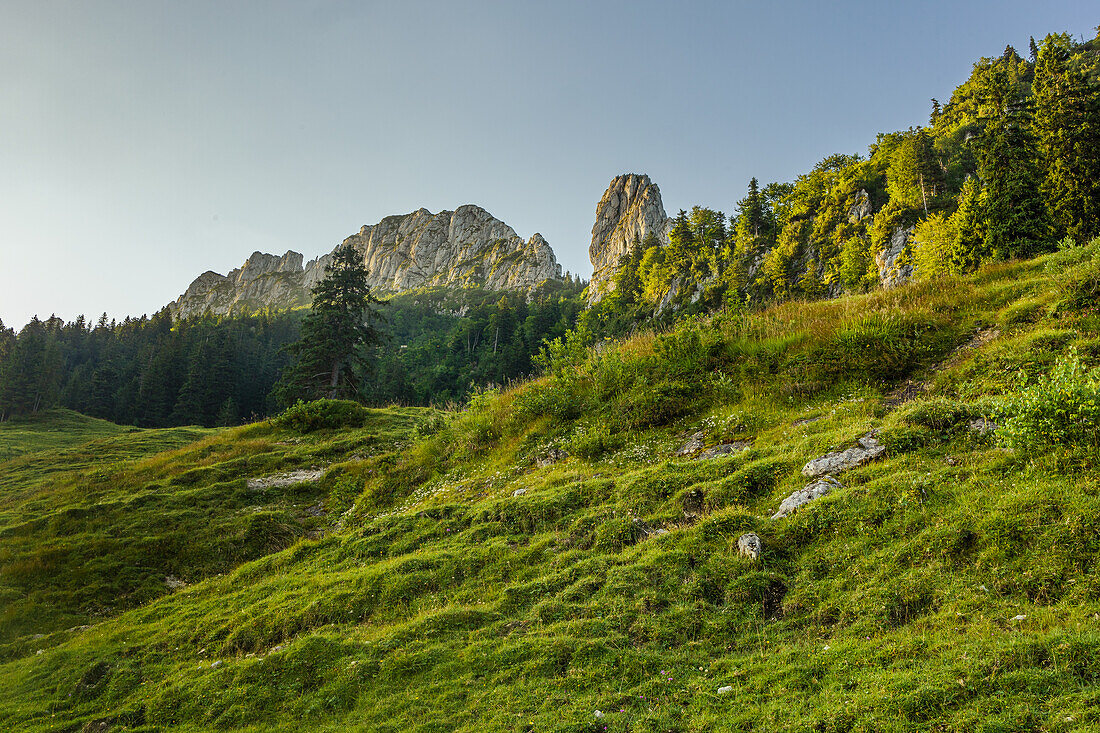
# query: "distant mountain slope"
[467,246]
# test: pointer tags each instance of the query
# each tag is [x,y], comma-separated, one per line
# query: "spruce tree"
[1067,122]
[331,353]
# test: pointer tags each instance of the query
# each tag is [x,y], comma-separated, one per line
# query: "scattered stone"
[694,445]
[724,449]
[519,492]
[282,480]
[550,457]
[660,532]
[598,714]
[806,421]
[1021,617]
[805,495]
[750,545]
[174,583]
[317,510]
[833,463]
[40,651]
[951,461]
[725,690]
[982,426]
[36,637]
[215,665]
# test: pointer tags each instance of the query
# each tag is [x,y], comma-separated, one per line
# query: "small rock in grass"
[811,492]
[750,545]
[694,445]
[174,583]
[1021,617]
[216,664]
[725,690]
[519,492]
[724,449]
[598,713]
[833,463]
[981,426]
[550,457]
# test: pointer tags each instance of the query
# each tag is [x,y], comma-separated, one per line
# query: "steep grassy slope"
[480,581]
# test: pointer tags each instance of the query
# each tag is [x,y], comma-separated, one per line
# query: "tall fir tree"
[331,353]
[1067,122]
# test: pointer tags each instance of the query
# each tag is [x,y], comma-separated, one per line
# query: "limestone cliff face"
[467,246]
[631,207]
[462,247]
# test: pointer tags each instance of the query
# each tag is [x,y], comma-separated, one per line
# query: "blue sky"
[142,143]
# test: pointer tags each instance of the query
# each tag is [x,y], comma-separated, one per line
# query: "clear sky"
[142,143]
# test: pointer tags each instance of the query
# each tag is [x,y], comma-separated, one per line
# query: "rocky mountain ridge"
[467,246]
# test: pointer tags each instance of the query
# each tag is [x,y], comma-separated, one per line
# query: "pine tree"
[331,353]
[1067,122]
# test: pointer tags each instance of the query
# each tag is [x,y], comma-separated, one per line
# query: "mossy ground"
[948,586]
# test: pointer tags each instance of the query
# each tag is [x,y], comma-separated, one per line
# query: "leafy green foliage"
[1058,410]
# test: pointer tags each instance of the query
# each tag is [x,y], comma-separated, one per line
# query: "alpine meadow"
[824,462]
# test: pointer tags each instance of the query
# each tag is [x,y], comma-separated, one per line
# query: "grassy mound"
[545,561]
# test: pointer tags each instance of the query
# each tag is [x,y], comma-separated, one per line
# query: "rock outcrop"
[630,207]
[750,545]
[467,246]
[809,493]
[895,263]
[833,463]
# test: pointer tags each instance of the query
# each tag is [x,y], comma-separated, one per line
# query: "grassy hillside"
[52,430]
[482,579]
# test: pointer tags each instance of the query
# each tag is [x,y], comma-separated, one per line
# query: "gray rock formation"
[811,492]
[750,545]
[860,208]
[630,207]
[895,263]
[467,246]
[832,463]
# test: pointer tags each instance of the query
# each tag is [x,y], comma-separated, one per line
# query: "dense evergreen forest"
[1008,167]
[150,371]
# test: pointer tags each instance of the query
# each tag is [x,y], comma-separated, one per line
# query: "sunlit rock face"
[467,246]
[631,207]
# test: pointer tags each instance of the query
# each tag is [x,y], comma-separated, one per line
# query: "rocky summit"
[465,247]
[630,207]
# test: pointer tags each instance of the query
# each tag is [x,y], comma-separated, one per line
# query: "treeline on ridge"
[153,372]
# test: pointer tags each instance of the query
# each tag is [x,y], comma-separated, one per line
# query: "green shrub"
[590,442]
[306,417]
[659,404]
[939,414]
[1081,286]
[1059,409]
[905,439]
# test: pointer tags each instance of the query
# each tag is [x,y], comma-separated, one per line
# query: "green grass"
[52,430]
[950,585]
